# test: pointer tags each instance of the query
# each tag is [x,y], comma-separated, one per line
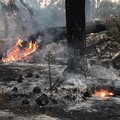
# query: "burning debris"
[104,93]
[20,51]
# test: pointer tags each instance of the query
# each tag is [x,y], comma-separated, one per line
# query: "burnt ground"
[67,104]
[101,110]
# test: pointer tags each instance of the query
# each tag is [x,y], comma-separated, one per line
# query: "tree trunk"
[75,23]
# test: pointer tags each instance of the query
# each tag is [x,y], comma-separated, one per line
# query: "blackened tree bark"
[75,23]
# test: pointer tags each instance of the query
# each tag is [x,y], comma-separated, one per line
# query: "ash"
[18,100]
[25,90]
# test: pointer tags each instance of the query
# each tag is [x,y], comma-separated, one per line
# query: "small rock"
[86,93]
[74,97]
[25,102]
[37,76]
[69,97]
[30,74]
[42,100]
[20,78]
[54,101]
[15,89]
[36,90]
[74,90]
[14,96]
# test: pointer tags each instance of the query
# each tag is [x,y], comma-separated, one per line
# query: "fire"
[20,42]
[103,93]
[19,52]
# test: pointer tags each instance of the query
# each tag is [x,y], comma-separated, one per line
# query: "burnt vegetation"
[53,87]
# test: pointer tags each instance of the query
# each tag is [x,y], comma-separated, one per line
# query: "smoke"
[23,23]
[104,73]
[103,76]
[46,13]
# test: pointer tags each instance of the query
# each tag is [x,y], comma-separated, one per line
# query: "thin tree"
[75,23]
[7,11]
[28,7]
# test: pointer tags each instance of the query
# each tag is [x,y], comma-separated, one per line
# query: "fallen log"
[55,34]
[100,42]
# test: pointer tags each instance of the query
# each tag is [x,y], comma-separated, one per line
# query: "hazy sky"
[113,0]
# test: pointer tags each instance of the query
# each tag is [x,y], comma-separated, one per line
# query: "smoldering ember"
[59,59]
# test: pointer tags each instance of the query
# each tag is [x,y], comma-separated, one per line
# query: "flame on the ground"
[18,52]
[103,93]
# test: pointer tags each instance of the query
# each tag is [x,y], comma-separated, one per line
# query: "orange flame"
[16,54]
[20,42]
[103,93]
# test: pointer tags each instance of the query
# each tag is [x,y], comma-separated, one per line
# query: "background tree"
[8,10]
[75,23]
[88,10]
[107,9]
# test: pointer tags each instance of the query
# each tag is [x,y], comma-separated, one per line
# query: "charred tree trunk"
[75,22]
